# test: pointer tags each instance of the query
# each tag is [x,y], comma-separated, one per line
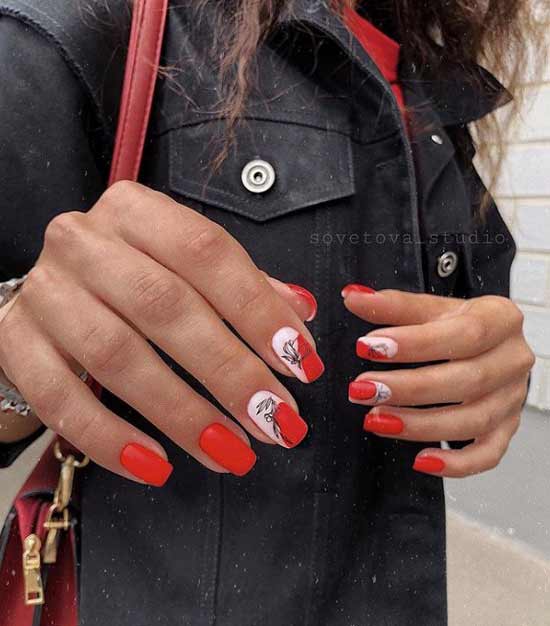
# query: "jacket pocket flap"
[305,166]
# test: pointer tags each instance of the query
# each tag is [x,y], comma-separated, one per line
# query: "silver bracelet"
[12,400]
[9,288]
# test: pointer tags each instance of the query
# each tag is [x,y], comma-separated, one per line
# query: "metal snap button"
[437,139]
[447,264]
[258,176]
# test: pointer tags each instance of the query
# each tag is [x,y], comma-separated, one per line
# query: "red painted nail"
[383,424]
[227,449]
[145,464]
[362,390]
[308,297]
[293,427]
[429,464]
[357,288]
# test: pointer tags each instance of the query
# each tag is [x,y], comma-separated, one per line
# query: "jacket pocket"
[299,166]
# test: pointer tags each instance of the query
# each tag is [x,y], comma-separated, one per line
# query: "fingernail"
[383,424]
[227,449]
[376,348]
[145,464]
[429,464]
[277,419]
[357,288]
[308,297]
[368,390]
[297,354]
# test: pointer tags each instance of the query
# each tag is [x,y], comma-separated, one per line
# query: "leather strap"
[146,35]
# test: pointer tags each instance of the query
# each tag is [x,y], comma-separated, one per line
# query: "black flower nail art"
[268,407]
[291,354]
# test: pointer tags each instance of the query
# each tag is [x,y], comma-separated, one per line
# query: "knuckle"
[158,299]
[474,329]
[107,353]
[249,296]
[515,315]
[87,431]
[117,201]
[40,281]
[527,358]
[64,228]
[208,245]
[230,360]
[119,193]
[48,400]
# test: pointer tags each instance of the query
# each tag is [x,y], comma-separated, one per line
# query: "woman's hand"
[140,266]
[485,370]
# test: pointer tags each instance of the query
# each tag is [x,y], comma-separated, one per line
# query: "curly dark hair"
[508,37]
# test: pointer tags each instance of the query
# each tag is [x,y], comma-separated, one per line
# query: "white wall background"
[523,197]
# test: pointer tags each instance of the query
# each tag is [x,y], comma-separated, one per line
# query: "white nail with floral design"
[376,348]
[297,354]
[277,419]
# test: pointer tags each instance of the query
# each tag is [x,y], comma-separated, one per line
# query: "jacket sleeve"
[47,165]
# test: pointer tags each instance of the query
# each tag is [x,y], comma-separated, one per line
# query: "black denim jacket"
[340,531]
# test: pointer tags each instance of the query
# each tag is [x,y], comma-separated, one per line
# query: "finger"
[395,308]
[120,360]
[218,267]
[299,298]
[447,423]
[453,381]
[458,337]
[68,406]
[483,454]
[123,361]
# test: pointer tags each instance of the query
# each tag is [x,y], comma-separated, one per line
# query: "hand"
[485,372]
[140,266]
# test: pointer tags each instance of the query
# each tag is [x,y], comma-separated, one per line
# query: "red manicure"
[362,390]
[429,464]
[293,427]
[227,449]
[357,288]
[145,464]
[308,297]
[383,424]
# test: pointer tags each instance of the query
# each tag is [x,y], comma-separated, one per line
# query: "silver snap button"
[447,263]
[258,176]
[437,139]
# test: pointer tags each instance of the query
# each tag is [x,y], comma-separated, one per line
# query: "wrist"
[14,427]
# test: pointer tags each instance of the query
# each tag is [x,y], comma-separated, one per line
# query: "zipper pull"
[34,590]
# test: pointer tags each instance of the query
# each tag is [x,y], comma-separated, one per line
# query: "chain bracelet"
[9,288]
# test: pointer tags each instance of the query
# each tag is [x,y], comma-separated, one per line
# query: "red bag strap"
[146,35]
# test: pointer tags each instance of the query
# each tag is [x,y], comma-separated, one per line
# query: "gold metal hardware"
[34,590]
[56,521]
[53,525]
